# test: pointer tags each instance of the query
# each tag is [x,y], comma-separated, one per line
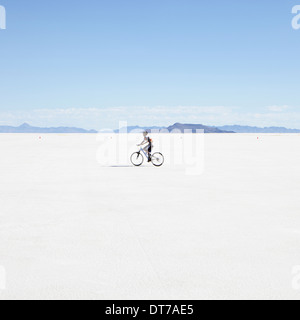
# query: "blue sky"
[151,62]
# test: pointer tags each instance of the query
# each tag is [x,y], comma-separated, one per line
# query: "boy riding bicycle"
[148,142]
[137,158]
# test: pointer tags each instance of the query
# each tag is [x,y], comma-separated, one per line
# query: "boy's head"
[145,133]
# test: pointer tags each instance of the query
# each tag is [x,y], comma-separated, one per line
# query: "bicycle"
[137,158]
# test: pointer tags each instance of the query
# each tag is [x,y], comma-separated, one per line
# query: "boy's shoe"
[149,159]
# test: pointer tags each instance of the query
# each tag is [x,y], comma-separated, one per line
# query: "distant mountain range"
[247,129]
[26,128]
[177,127]
[194,127]
[207,129]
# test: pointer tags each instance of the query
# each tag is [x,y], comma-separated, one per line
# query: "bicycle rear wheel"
[157,159]
[137,159]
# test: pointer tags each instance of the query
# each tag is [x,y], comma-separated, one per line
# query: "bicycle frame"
[145,154]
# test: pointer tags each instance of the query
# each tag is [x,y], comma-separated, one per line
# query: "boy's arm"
[143,142]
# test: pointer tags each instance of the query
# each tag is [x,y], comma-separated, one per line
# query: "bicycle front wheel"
[137,159]
[157,159]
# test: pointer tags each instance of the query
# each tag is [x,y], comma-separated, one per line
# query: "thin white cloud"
[99,118]
[278,108]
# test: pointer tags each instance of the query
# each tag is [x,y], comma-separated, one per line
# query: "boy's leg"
[146,149]
[149,153]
